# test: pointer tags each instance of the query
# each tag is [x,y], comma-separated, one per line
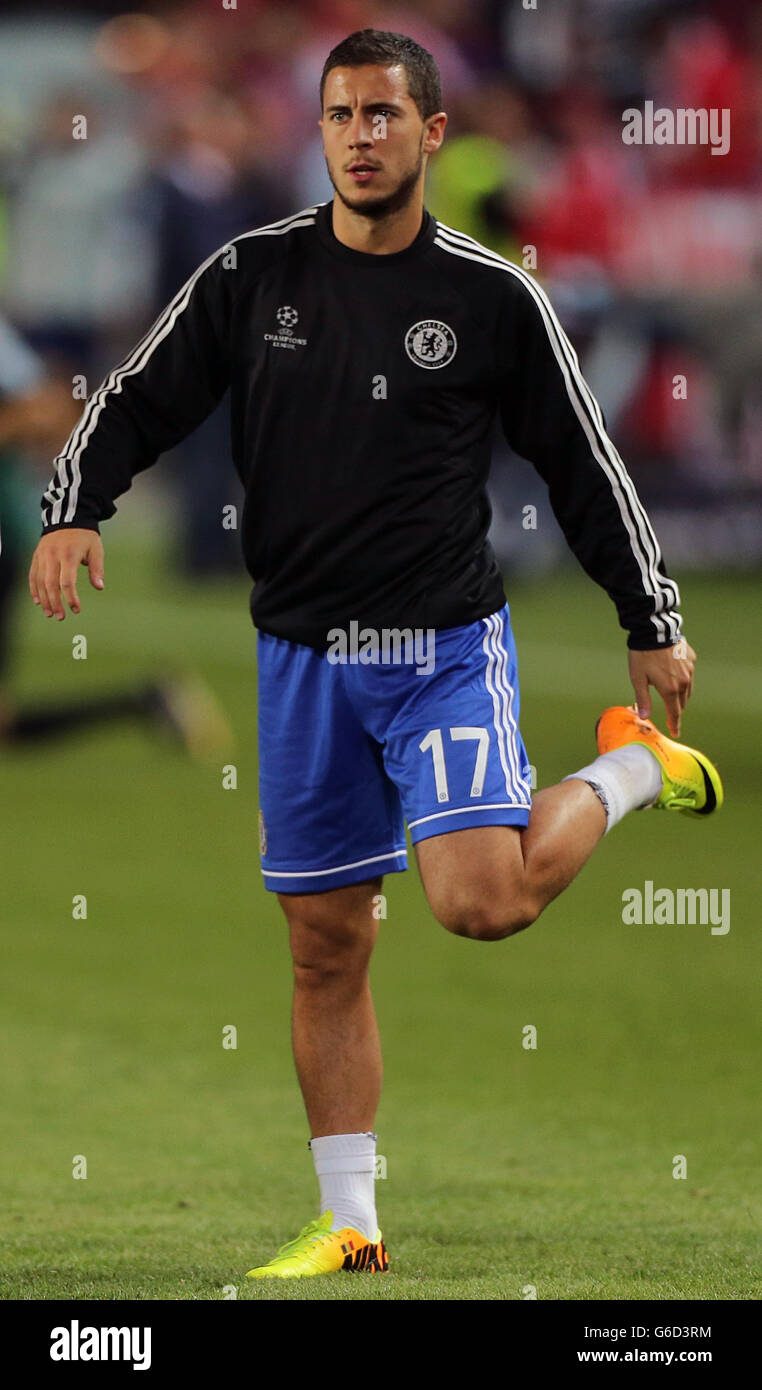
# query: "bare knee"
[331,938]
[322,951]
[481,919]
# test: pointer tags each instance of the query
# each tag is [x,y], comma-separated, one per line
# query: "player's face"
[373,138]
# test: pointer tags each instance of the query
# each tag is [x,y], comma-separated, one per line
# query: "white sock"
[346,1168]
[624,780]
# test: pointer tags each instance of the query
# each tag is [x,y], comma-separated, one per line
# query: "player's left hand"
[670,671]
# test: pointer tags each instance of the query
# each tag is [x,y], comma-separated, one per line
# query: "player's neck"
[382,237]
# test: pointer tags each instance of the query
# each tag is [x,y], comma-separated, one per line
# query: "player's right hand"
[53,573]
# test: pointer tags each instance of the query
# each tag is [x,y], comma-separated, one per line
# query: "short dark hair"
[381,47]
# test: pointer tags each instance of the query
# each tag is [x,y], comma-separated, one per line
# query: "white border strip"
[318,873]
[520,787]
[496,713]
[464,811]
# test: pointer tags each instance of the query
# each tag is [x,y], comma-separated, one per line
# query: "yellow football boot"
[690,783]
[319,1250]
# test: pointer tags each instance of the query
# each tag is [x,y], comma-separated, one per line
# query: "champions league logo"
[430,344]
[287,317]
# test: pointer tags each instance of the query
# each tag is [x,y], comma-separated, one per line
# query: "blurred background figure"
[37,411]
[71,261]
[210,184]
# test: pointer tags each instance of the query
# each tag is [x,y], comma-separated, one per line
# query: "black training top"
[364,390]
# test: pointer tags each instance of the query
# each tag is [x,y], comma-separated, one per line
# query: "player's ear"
[435,129]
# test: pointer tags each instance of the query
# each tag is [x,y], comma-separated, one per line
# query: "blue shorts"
[349,751]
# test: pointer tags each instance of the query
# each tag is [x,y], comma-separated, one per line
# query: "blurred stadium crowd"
[202,122]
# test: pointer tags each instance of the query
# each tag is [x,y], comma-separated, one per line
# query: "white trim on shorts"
[503,697]
[318,873]
[464,810]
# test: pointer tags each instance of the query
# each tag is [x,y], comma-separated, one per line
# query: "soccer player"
[368,349]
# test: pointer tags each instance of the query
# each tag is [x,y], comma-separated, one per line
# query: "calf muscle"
[334,1031]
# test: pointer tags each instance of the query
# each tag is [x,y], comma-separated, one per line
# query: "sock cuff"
[344,1153]
[343,1143]
[361,1163]
[595,786]
[625,779]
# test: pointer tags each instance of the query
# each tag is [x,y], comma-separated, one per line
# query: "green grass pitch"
[508,1170]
